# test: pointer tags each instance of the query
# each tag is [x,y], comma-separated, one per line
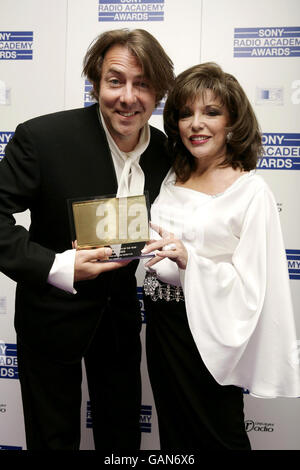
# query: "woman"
[217,298]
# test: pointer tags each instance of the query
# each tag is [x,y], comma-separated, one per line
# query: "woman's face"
[202,127]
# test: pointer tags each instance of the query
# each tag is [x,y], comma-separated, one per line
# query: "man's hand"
[87,265]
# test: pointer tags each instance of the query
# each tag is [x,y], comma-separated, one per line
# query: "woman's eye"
[213,112]
[185,113]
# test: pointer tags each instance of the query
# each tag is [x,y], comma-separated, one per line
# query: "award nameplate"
[121,223]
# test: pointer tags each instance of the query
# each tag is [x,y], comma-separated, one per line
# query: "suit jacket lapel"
[107,175]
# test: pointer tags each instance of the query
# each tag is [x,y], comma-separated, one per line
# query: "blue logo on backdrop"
[89,421]
[269,95]
[8,361]
[2,447]
[267,42]
[16,45]
[4,139]
[281,152]
[145,418]
[131,10]
[88,99]
[160,107]
[293,259]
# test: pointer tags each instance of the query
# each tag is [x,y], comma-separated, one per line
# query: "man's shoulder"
[157,134]
[60,118]
[158,141]
[157,150]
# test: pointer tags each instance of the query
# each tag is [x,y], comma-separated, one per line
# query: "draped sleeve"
[240,311]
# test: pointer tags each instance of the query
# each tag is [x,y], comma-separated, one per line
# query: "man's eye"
[143,84]
[114,82]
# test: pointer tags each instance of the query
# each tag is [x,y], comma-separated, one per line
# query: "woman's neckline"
[243,175]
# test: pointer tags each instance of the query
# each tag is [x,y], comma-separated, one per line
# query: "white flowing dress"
[236,283]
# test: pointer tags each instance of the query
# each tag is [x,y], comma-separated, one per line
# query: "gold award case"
[121,223]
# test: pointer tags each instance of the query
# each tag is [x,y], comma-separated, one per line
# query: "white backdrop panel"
[37,85]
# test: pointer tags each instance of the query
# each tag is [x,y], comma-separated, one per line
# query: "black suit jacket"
[49,160]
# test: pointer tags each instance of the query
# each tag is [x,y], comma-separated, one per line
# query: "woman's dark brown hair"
[244,145]
[156,65]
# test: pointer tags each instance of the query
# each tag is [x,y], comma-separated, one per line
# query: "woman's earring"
[228,137]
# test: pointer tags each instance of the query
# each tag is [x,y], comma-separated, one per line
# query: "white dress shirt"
[131,181]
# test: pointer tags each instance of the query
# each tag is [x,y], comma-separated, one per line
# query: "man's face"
[126,98]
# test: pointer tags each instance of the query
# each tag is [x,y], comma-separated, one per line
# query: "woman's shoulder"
[256,188]
[255,181]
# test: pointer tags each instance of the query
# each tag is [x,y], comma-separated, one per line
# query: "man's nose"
[128,95]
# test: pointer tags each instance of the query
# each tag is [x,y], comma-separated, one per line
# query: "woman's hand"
[167,247]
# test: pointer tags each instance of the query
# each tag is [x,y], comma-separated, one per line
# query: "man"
[73,154]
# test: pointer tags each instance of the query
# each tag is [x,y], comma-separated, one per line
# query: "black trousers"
[51,392]
[194,411]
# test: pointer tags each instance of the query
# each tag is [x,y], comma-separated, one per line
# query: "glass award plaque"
[120,223]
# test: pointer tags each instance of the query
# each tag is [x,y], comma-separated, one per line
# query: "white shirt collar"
[137,151]
[130,176]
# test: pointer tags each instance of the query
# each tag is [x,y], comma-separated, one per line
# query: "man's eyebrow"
[114,70]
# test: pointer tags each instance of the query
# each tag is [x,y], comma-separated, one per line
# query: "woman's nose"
[198,122]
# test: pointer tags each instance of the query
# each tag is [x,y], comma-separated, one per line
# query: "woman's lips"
[199,139]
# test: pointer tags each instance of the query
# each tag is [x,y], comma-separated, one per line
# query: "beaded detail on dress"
[161,291]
